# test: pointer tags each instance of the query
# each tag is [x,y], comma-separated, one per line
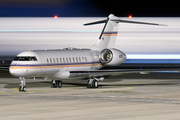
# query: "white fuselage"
[50,62]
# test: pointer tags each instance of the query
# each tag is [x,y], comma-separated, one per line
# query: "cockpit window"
[25,58]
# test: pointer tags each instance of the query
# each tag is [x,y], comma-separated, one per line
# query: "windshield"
[25,58]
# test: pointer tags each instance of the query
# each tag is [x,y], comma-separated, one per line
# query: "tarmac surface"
[126,97]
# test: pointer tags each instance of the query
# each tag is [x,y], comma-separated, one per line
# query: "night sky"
[87,8]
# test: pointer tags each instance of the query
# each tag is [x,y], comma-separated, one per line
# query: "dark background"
[88,8]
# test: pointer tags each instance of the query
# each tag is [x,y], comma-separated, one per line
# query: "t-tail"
[109,33]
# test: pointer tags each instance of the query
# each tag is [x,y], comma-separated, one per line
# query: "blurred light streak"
[153,56]
[47,31]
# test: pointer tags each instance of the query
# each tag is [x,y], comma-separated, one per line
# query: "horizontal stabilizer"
[135,22]
[123,21]
[97,22]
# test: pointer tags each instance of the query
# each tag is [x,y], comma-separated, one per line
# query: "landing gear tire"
[22,89]
[95,84]
[59,83]
[92,84]
[53,84]
[89,85]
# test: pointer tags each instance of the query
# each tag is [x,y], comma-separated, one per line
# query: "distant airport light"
[130,16]
[55,16]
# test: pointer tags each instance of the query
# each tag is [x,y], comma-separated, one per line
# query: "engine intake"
[112,57]
[106,56]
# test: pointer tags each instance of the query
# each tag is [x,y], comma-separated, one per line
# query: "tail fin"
[109,33]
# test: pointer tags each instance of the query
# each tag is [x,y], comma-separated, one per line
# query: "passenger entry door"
[27,69]
[42,63]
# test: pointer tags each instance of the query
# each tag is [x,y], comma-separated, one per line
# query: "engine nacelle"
[112,57]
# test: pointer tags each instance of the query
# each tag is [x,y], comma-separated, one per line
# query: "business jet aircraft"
[70,63]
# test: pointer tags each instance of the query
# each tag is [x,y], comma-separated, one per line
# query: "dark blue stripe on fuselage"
[55,64]
[110,32]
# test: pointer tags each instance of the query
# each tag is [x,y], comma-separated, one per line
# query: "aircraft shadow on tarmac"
[108,82]
[77,84]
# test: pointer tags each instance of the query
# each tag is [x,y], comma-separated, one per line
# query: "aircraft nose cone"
[11,71]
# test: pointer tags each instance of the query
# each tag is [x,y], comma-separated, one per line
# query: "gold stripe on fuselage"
[109,35]
[55,66]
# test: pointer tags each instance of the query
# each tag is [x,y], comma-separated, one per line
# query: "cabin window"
[54,60]
[47,60]
[79,59]
[73,59]
[60,60]
[50,60]
[76,59]
[86,59]
[82,58]
[63,60]
[69,59]
[66,59]
[57,60]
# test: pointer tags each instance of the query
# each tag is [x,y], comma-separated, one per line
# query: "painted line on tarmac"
[29,91]
[105,91]
[173,96]
[58,89]
[139,83]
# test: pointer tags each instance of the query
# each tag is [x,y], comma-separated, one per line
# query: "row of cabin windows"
[66,60]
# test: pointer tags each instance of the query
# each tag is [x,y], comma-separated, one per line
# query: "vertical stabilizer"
[108,35]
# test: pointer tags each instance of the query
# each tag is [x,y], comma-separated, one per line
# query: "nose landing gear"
[22,87]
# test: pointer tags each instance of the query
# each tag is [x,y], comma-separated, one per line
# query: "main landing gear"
[93,82]
[22,87]
[56,84]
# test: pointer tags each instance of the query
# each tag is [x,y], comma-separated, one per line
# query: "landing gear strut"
[22,87]
[56,84]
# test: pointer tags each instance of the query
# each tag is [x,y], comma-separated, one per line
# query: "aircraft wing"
[99,73]
[4,68]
